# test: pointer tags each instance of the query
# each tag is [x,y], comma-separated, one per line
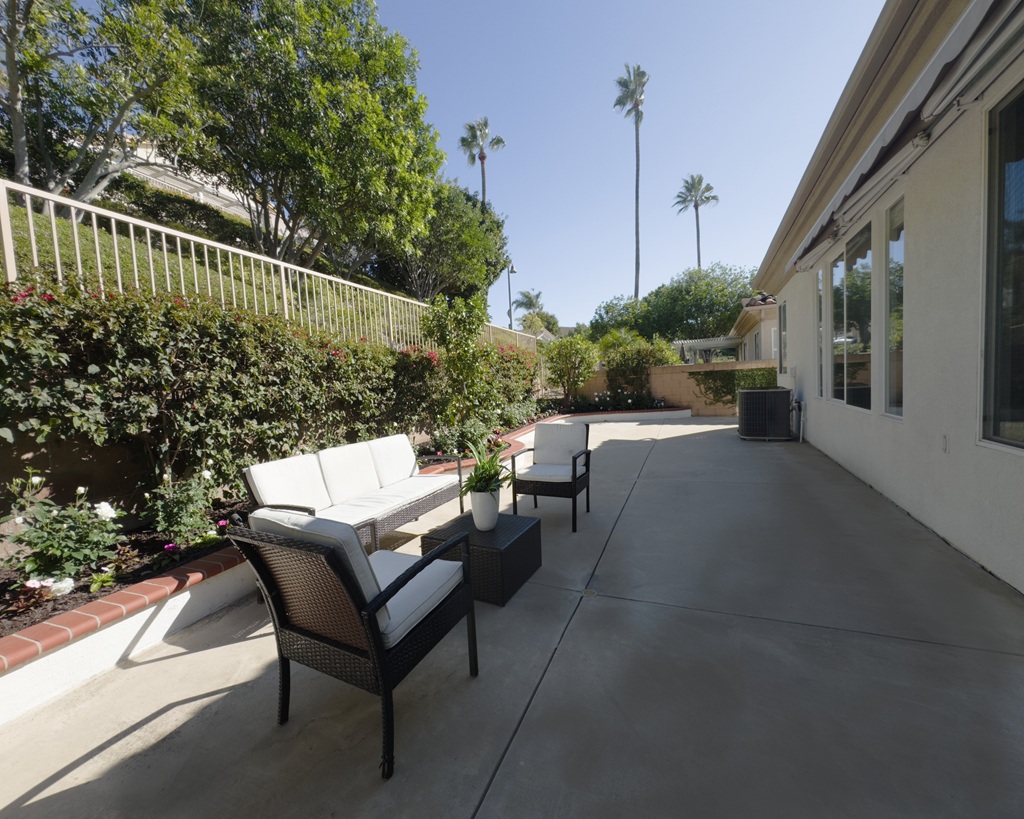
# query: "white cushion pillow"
[557,443]
[295,481]
[393,458]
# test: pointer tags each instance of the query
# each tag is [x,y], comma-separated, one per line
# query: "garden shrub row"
[188,386]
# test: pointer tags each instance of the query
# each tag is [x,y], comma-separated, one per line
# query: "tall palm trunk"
[696,214]
[636,286]
[483,180]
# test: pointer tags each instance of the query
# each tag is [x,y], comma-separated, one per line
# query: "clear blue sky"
[740,91]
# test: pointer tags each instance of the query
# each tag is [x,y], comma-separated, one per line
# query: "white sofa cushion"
[387,499]
[295,481]
[348,471]
[420,596]
[339,536]
[552,473]
[557,443]
[393,458]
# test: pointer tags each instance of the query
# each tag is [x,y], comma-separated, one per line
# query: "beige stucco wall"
[674,385]
[932,461]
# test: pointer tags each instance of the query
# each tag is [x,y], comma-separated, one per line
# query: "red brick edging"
[61,629]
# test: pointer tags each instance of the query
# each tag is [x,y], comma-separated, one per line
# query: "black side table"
[501,560]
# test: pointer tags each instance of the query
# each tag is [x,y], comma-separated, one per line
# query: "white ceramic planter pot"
[485,510]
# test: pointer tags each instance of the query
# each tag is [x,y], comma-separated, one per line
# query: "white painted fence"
[107,251]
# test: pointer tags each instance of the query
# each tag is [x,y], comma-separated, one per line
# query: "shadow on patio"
[738,629]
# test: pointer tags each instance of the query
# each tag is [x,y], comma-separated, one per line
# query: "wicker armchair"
[366,621]
[560,468]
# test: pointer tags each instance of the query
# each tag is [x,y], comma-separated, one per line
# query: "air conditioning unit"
[764,414]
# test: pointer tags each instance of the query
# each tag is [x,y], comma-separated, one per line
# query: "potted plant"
[483,485]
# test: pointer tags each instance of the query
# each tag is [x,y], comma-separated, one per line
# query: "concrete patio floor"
[738,629]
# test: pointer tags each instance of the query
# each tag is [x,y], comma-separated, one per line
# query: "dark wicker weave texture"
[501,560]
[322,620]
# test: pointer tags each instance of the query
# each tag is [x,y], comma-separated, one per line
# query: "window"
[894,311]
[775,343]
[782,338]
[757,346]
[821,332]
[851,322]
[1004,351]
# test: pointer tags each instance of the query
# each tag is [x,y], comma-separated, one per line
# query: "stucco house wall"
[933,461]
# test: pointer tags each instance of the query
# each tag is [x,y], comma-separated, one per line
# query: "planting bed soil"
[21,607]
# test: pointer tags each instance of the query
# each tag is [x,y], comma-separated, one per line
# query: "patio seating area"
[737,629]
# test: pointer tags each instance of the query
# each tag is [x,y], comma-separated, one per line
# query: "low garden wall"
[677,388]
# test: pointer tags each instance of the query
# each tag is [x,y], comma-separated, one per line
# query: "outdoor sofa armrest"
[393,588]
[430,459]
[287,507]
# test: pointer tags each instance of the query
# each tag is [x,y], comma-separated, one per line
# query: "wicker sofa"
[375,486]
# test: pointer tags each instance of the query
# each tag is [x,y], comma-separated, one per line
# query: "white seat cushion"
[393,458]
[295,481]
[419,597]
[387,500]
[557,443]
[348,471]
[341,537]
[553,473]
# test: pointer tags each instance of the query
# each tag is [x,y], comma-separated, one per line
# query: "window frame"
[888,408]
[993,274]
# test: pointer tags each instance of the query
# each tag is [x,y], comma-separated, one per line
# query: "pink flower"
[222,523]
[171,547]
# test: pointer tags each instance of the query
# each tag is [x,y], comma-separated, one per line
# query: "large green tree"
[695,193]
[462,252]
[316,122]
[630,101]
[94,90]
[694,304]
[475,143]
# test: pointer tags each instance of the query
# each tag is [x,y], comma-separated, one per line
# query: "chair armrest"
[287,507]
[428,459]
[576,457]
[396,585]
[512,460]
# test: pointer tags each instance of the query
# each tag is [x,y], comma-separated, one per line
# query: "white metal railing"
[106,250]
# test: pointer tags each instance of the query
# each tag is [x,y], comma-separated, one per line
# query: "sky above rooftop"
[740,91]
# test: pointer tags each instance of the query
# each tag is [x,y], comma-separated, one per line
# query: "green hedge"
[723,386]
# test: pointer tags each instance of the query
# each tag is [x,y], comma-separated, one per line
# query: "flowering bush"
[59,541]
[181,509]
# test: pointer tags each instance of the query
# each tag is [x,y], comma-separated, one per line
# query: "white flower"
[62,587]
[106,511]
[167,476]
[146,495]
[80,490]
[207,474]
[19,520]
[36,480]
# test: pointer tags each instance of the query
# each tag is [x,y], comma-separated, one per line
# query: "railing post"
[10,263]
[284,291]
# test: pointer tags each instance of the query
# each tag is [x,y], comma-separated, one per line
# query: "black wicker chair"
[323,620]
[561,465]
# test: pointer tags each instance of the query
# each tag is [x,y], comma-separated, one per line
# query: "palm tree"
[528,301]
[476,142]
[695,193]
[630,101]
